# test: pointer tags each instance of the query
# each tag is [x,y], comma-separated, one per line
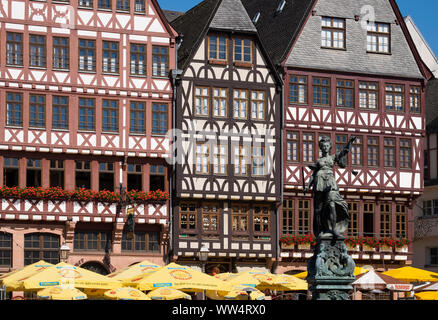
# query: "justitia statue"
[331,269]
[330,209]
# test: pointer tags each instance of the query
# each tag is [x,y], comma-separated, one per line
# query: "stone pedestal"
[330,270]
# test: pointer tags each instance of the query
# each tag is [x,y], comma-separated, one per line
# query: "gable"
[307,51]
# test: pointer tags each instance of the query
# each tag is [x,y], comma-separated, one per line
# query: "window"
[202,101]
[345,93]
[333,33]
[262,219]
[187,217]
[159,118]
[87,55]
[210,218]
[141,242]
[106,176]
[87,111]
[220,157]
[405,154]
[401,217]
[258,161]
[123,5]
[138,59]
[373,151]
[357,152]
[258,105]
[139,6]
[110,115]
[37,51]
[385,220]
[341,141]
[10,172]
[160,61]
[303,217]
[308,147]
[240,160]
[293,146]
[368,95]
[156,178]
[432,256]
[57,173]
[240,218]
[202,158]
[86,3]
[395,97]
[430,208]
[220,102]
[321,91]
[83,174]
[137,117]
[5,250]
[92,241]
[298,89]
[415,99]
[33,173]
[389,152]
[14,106]
[243,50]
[368,219]
[110,56]
[104,4]
[288,217]
[60,112]
[41,246]
[37,111]
[240,101]
[14,49]
[217,48]
[378,37]
[135,177]
[61,53]
[353,210]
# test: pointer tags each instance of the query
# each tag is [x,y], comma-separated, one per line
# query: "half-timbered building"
[349,69]
[227,145]
[86,102]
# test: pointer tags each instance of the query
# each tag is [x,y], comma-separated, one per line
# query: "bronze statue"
[331,217]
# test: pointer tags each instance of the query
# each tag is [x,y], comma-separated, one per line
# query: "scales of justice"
[330,270]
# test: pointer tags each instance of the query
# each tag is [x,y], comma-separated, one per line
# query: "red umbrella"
[377,281]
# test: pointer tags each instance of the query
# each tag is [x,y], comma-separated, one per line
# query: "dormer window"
[333,33]
[242,50]
[217,48]
[378,37]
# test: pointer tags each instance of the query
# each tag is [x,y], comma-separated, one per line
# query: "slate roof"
[279,31]
[231,15]
[172,15]
[432,106]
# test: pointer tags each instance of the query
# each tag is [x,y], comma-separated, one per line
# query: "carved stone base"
[330,270]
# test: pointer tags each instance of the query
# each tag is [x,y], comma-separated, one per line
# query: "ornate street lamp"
[64,251]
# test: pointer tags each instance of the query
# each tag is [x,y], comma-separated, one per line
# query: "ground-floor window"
[41,246]
[5,250]
[141,242]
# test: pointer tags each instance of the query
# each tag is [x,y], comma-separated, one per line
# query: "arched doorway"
[95,267]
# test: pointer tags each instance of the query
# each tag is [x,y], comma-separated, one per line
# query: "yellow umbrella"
[137,270]
[412,274]
[66,274]
[14,280]
[241,293]
[357,271]
[427,295]
[249,278]
[168,294]
[126,293]
[60,293]
[284,282]
[179,277]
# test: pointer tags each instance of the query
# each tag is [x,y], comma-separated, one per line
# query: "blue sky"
[423,12]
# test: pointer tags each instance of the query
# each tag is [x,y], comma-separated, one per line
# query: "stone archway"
[95,267]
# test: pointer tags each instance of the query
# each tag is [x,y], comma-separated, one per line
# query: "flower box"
[368,248]
[385,248]
[353,248]
[403,249]
[287,246]
[304,246]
